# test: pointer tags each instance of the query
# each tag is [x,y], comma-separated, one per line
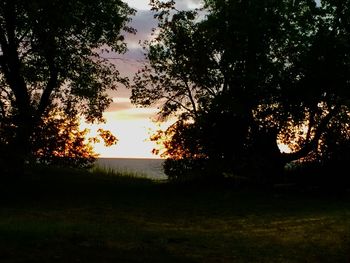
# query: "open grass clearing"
[78,217]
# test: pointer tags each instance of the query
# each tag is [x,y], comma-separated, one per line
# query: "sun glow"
[132,127]
[284,148]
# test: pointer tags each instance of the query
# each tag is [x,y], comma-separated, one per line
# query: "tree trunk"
[20,146]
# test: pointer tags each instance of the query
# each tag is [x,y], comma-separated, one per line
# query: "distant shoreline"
[131,158]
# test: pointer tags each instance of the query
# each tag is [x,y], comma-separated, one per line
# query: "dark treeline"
[244,77]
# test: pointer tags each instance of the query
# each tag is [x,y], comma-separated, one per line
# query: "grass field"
[67,216]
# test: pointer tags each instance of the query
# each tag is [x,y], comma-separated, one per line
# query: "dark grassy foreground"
[67,216]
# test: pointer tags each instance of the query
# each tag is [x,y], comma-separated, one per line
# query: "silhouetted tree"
[213,70]
[58,140]
[51,52]
[274,71]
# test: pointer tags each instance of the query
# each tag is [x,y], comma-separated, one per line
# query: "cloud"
[134,113]
[122,104]
[138,4]
[120,99]
[129,63]
[188,4]
[119,106]
[144,4]
[134,55]
[143,22]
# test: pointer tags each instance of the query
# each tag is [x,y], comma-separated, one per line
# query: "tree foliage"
[52,55]
[59,141]
[244,76]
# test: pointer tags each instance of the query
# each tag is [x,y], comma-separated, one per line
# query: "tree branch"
[178,103]
[311,123]
[313,143]
[189,95]
[50,86]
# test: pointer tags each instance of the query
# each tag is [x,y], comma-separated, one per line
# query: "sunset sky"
[133,126]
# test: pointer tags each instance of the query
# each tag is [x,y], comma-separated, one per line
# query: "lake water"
[151,168]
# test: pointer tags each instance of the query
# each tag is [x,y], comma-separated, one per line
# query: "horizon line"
[129,157]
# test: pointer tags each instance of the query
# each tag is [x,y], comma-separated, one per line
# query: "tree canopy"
[52,56]
[245,76]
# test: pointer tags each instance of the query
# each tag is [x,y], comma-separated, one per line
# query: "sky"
[131,125]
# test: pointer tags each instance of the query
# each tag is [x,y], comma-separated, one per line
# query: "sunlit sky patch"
[133,128]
